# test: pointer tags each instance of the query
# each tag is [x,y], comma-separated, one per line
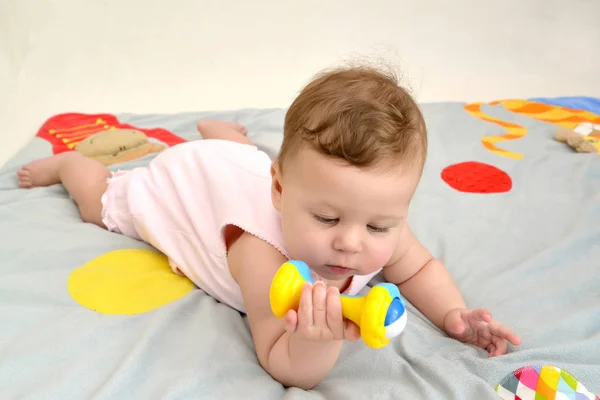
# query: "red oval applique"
[476,177]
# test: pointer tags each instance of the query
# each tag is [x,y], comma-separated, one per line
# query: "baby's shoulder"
[255,256]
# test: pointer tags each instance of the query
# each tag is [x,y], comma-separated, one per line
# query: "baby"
[336,197]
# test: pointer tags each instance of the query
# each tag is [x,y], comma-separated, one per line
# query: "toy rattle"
[380,314]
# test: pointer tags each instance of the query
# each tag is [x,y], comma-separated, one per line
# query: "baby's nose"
[348,242]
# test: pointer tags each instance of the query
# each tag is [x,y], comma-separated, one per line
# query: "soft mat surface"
[514,214]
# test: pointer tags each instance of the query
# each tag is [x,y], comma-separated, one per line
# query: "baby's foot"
[229,124]
[238,127]
[42,172]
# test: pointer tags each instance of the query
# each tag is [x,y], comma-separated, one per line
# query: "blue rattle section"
[395,311]
[397,307]
[303,269]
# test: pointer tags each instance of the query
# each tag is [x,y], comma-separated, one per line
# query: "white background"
[181,55]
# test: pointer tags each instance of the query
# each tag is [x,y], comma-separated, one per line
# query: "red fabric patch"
[518,373]
[476,177]
[65,131]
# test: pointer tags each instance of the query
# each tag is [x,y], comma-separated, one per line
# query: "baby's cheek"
[304,246]
[382,255]
[313,243]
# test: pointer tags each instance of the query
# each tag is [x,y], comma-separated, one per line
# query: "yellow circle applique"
[127,282]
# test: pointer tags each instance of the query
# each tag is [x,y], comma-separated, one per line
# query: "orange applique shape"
[561,116]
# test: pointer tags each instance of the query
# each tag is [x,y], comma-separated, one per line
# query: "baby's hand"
[319,316]
[175,268]
[478,328]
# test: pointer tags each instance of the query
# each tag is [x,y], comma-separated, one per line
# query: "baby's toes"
[239,127]
[24,178]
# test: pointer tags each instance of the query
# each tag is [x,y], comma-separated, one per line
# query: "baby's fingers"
[335,320]
[455,325]
[319,296]
[351,331]
[503,332]
[291,321]
[305,308]
[498,347]
[482,314]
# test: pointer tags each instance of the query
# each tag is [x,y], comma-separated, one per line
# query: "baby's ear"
[276,188]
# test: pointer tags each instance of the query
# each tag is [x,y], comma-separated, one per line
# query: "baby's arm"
[426,283]
[423,279]
[288,357]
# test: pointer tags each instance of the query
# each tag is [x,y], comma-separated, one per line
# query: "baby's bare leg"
[85,180]
[224,130]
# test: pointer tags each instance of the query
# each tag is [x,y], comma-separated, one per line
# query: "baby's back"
[189,193]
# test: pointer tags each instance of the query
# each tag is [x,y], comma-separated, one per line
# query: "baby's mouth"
[338,269]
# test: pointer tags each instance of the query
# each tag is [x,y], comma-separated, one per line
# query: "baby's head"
[352,155]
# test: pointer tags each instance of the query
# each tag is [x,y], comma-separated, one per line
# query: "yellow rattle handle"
[286,288]
[381,314]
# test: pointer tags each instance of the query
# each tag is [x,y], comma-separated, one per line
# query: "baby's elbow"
[271,366]
[284,374]
[303,385]
[292,380]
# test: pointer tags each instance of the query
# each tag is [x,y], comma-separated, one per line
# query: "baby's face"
[339,219]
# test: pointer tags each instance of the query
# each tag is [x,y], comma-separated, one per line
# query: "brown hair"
[360,115]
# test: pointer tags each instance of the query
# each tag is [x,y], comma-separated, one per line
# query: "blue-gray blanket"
[528,248]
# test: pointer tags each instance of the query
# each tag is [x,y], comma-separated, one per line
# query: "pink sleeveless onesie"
[182,201]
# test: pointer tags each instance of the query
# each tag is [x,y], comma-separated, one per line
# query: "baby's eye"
[377,229]
[328,221]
